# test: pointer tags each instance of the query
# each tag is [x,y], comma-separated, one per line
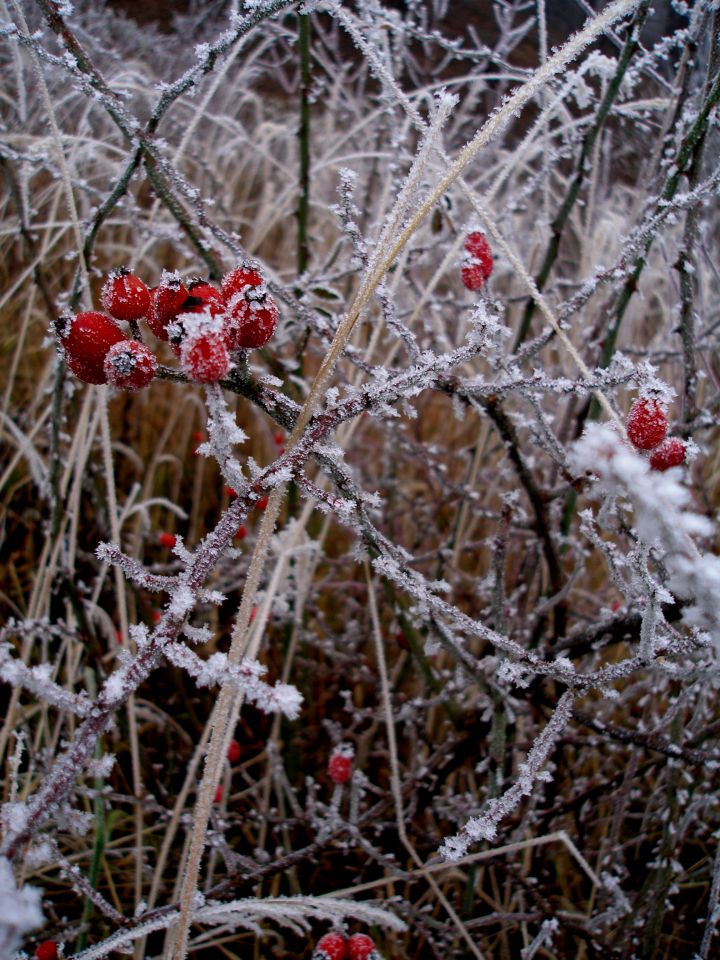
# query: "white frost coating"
[484,827]
[659,501]
[19,911]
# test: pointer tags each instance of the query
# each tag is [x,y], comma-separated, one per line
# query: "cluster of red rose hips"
[204,325]
[336,946]
[477,262]
[647,426]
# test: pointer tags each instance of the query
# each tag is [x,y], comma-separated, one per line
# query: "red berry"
[362,947]
[646,423]
[129,365]
[47,950]
[251,315]
[241,532]
[478,263]
[250,323]
[262,502]
[203,298]
[330,947]
[670,453]
[165,303]
[125,296]
[239,280]
[156,615]
[230,492]
[204,357]
[86,339]
[218,794]
[279,438]
[234,751]
[167,540]
[340,763]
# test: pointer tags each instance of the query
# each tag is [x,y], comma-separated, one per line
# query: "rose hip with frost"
[646,423]
[125,296]
[362,947]
[478,263]
[166,301]
[129,365]
[330,947]
[670,453]
[204,356]
[86,339]
[340,763]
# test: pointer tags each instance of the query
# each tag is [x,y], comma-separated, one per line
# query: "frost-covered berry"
[47,950]
[125,296]
[340,763]
[670,453]
[218,794]
[646,423]
[204,356]
[166,301]
[251,314]
[234,751]
[478,263]
[262,502]
[250,323]
[129,365]
[362,947]
[240,280]
[86,339]
[241,532]
[167,540]
[203,297]
[332,946]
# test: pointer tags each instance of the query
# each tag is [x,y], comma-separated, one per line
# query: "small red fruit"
[340,763]
[670,453]
[279,438]
[362,947]
[250,323]
[230,492]
[218,794]
[47,950]
[646,423]
[203,298]
[86,339]
[330,947]
[241,532]
[167,540]
[262,502]
[125,296]
[129,365]
[251,315]
[234,751]
[240,280]
[204,357]
[165,302]
[478,264]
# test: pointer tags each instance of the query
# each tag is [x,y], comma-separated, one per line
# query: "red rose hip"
[204,357]
[340,763]
[125,296]
[86,339]
[478,263]
[362,947]
[646,423]
[129,365]
[47,950]
[330,947]
[165,302]
[670,453]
